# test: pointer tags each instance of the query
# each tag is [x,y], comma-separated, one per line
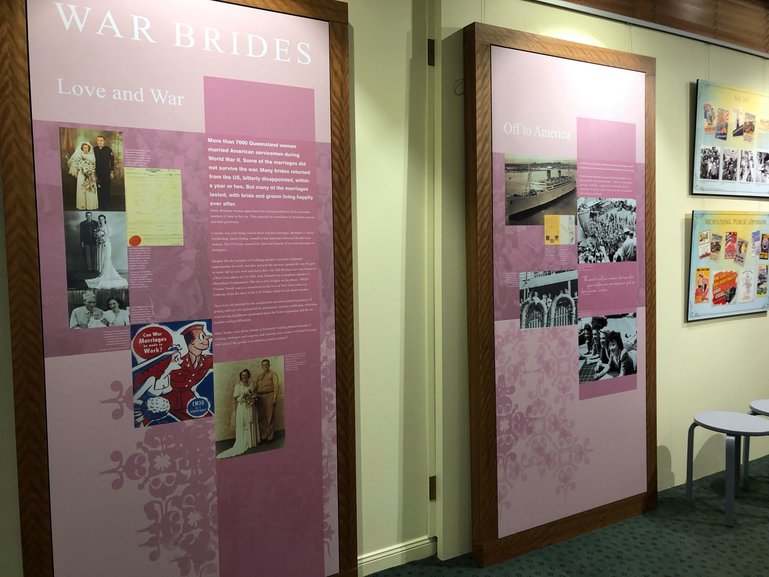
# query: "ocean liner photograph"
[534,189]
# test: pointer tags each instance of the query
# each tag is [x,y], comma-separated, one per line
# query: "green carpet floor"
[678,539]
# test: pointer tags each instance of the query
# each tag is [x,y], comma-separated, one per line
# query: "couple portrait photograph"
[92,169]
[96,250]
[96,309]
[97,268]
[249,397]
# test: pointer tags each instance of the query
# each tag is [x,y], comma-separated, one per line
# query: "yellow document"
[559,229]
[154,206]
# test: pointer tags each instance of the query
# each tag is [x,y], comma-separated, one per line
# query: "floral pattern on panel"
[175,468]
[328,358]
[328,392]
[536,392]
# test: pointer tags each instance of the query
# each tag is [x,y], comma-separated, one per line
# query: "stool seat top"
[760,406]
[733,423]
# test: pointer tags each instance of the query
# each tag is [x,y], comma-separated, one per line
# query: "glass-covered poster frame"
[731,141]
[728,264]
[561,302]
[133,204]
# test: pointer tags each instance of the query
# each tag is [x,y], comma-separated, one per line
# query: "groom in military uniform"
[105,172]
[195,365]
[88,241]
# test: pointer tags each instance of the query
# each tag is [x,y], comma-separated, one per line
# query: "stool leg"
[730,479]
[690,461]
[737,455]
[745,461]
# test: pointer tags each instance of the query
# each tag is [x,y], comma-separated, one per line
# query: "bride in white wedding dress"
[82,165]
[246,428]
[109,277]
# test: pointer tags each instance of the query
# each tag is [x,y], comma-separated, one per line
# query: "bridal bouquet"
[155,408]
[249,398]
[78,162]
[101,235]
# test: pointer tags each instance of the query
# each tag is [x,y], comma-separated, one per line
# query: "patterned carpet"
[679,539]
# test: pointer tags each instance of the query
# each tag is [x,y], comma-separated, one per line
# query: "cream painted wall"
[452,375]
[393,277]
[408,187]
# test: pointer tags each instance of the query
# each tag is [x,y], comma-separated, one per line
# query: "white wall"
[408,187]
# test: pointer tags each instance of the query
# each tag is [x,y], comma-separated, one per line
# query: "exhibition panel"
[192,403]
[560,226]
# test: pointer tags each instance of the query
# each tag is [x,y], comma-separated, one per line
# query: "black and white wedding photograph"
[96,250]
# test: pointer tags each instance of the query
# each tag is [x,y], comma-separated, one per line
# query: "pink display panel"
[189,243]
[560,389]
[557,237]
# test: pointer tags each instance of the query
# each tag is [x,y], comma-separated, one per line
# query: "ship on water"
[537,192]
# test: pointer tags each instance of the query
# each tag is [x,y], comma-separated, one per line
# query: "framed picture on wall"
[560,269]
[728,264]
[731,141]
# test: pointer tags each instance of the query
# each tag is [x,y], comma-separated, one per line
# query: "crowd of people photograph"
[710,162]
[606,230]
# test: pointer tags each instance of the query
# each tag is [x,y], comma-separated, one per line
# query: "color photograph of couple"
[249,396]
[92,169]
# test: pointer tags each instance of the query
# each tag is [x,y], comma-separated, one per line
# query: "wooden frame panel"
[17,172]
[487,547]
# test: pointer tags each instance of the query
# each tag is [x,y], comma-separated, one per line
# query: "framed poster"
[177,194]
[731,141]
[560,233]
[728,264]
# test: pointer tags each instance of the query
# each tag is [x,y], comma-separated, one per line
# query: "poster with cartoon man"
[173,377]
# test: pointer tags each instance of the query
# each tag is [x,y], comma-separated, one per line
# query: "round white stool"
[760,407]
[734,426]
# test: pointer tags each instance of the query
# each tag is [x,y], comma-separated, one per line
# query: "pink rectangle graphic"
[264,253]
